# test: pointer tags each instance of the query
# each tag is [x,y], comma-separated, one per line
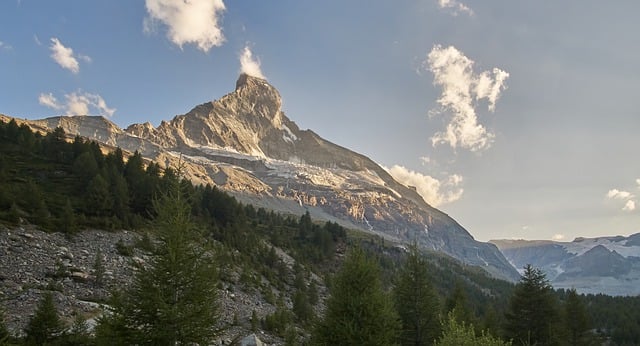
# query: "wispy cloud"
[249,64]
[462,88]
[5,46]
[78,103]
[618,194]
[434,191]
[187,22]
[455,7]
[558,237]
[64,56]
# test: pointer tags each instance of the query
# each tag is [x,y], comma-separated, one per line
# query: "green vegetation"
[533,317]
[456,333]
[45,327]
[191,232]
[416,302]
[359,312]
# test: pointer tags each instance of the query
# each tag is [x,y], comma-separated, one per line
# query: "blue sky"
[520,119]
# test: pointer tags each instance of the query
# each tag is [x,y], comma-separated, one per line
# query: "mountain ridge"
[609,265]
[245,144]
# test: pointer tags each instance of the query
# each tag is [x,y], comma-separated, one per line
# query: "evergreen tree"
[416,302]
[45,326]
[98,197]
[461,334]
[458,303]
[98,269]
[78,334]
[576,319]
[4,332]
[532,315]
[358,311]
[68,223]
[173,300]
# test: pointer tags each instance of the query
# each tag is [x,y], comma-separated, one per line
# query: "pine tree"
[78,334]
[4,332]
[98,269]
[576,319]
[45,326]
[173,300]
[358,311]
[68,223]
[532,315]
[416,302]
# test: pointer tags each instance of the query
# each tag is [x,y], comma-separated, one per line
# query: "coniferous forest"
[379,293]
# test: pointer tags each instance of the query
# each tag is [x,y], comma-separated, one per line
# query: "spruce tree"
[576,319]
[532,316]
[358,311]
[173,299]
[98,269]
[416,302]
[45,326]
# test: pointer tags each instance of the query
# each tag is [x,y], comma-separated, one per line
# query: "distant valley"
[609,265]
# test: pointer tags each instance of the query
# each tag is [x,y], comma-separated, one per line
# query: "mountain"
[609,265]
[246,145]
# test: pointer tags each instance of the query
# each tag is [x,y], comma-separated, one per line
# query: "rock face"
[609,265]
[245,144]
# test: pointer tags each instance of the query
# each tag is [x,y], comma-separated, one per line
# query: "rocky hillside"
[34,262]
[246,145]
[609,265]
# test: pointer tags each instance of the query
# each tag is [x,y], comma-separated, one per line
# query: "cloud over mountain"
[435,192]
[462,88]
[187,22]
[78,103]
[249,64]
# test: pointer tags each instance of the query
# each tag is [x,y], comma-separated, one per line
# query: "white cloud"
[435,192]
[638,182]
[188,22]
[630,205]
[5,46]
[249,64]
[558,237]
[425,160]
[617,194]
[455,7]
[64,56]
[78,103]
[462,88]
[48,100]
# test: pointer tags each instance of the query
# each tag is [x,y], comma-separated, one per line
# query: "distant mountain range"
[244,144]
[609,265]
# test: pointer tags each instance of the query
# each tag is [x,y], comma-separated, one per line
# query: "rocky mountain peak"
[245,144]
[261,98]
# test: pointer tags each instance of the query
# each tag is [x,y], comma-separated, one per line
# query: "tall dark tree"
[45,326]
[358,312]
[173,300]
[416,302]
[458,303]
[576,320]
[532,315]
